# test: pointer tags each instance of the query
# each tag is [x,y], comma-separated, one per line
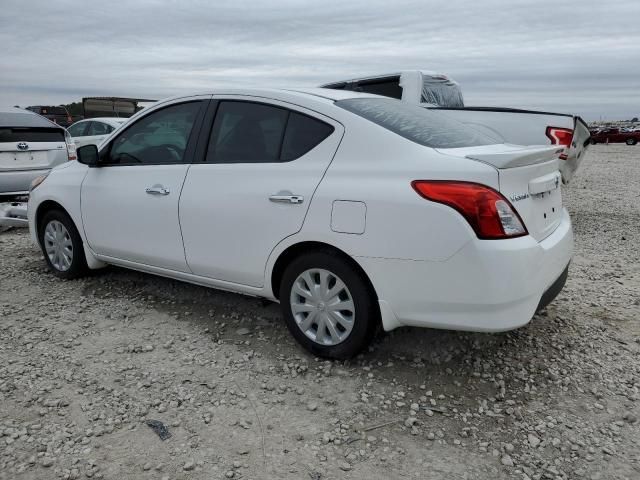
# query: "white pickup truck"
[509,125]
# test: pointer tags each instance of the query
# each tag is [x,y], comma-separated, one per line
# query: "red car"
[615,135]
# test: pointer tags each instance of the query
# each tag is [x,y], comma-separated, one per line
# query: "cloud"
[564,56]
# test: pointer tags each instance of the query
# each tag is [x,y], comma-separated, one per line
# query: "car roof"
[333,95]
[18,117]
[319,99]
[324,95]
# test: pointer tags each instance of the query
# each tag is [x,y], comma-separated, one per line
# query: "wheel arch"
[43,208]
[49,205]
[301,248]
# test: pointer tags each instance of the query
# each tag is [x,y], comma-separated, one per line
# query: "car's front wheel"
[62,245]
[328,306]
[631,141]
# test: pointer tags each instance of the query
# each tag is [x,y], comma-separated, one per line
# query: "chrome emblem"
[23,146]
[518,197]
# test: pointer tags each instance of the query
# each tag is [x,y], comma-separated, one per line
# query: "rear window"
[422,126]
[8,135]
[387,87]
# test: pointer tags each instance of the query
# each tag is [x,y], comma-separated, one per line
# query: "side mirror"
[88,155]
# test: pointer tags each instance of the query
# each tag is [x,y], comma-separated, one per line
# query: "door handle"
[287,198]
[157,190]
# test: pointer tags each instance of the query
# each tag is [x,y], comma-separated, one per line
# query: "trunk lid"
[31,148]
[577,149]
[529,178]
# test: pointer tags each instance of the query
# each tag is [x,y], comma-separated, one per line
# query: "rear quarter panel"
[376,167]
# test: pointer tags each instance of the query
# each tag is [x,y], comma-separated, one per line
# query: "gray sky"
[569,56]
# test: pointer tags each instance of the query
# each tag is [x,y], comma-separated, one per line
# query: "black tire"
[631,141]
[78,267]
[593,142]
[367,313]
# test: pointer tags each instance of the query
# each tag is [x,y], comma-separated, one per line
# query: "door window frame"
[92,122]
[190,149]
[200,156]
[85,124]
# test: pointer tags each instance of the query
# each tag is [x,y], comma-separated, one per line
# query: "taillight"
[490,214]
[71,146]
[560,136]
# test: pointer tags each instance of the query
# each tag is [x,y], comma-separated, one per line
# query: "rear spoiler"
[501,110]
[518,157]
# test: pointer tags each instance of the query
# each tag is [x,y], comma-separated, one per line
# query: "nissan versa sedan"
[352,210]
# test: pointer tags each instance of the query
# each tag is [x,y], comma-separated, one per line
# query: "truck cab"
[414,86]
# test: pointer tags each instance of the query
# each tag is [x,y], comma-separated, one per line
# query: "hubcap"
[58,245]
[322,306]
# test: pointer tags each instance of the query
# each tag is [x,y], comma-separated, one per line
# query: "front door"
[130,201]
[263,163]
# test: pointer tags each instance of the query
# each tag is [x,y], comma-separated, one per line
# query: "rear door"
[261,163]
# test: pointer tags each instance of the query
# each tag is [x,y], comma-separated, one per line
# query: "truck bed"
[526,127]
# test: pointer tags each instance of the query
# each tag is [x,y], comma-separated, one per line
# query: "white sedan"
[93,130]
[351,210]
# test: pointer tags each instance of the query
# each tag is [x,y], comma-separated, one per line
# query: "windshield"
[420,125]
[441,91]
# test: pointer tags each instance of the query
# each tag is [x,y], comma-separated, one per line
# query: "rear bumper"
[18,182]
[552,292]
[487,286]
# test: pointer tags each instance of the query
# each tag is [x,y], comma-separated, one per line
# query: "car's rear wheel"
[328,306]
[62,246]
[631,141]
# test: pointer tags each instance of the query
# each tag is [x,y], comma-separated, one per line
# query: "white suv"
[351,210]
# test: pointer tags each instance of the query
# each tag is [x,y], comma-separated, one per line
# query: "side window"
[78,129]
[248,132]
[303,133]
[387,87]
[158,138]
[99,128]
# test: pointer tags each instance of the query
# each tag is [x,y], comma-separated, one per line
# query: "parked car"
[615,135]
[437,91]
[57,114]
[351,210]
[94,130]
[30,145]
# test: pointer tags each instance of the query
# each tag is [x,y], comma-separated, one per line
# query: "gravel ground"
[85,364]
